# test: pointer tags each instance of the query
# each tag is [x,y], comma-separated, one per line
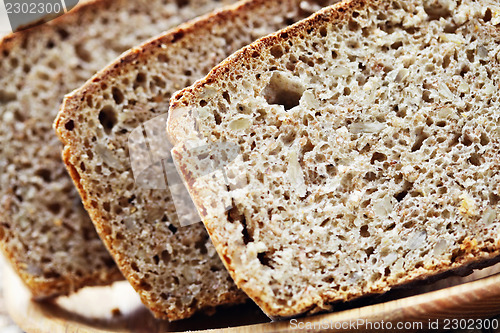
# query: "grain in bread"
[369,138]
[175,269]
[45,232]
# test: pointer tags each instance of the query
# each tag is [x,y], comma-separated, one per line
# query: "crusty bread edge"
[471,257]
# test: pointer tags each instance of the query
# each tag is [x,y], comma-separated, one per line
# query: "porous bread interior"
[175,269]
[44,230]
[369,140]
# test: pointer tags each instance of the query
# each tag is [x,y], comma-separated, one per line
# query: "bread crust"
[181,122]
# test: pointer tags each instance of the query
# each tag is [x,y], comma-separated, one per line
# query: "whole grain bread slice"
[368,138]
[44,230]
[175,269]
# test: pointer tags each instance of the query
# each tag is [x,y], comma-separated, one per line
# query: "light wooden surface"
[118,309]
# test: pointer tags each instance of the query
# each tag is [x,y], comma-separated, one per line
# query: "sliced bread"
[174,268]
[44,230]
[368,138]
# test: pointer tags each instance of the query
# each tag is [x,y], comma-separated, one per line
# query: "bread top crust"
[254,239]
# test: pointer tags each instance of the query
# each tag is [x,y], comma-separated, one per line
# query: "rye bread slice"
[174,268]
[45,233]
[368,140]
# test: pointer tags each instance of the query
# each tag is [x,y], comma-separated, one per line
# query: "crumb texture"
[44,230]
[369,139]
[175,269]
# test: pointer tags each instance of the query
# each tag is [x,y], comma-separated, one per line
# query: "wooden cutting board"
[118,309]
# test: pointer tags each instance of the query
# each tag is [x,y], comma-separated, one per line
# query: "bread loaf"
[44,230]
[368,140]
[174,268]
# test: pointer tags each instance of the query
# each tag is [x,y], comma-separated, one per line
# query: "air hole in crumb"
[283,91]
[369,251]
[140,79]
[54,208]
[82,53]
[165,256]
[435,10]
[401,195]
[201,245]
[172,228]
[107,118]
[353,25]
[134,267]
[494,198]
[63,34]
[117,95]
[484,139]
[396,45]
[376,276]
[6,97]
[404,191]
[487,15]
[217,117]
[70,125]
[465,70]
[446,61]
[470,55]
[426,96]
[323,31]
[475,159]
[467,140]
[144,286]
[409,224]
[226,96]
[370,176]
[331,170]
[421,137]
[265,259]
[363,231]
[277,51]
[44,174]
[378,157]
[162,58]
[234,215]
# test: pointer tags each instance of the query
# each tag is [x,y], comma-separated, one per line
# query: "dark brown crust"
[64,285]
[70,107]
[472,255]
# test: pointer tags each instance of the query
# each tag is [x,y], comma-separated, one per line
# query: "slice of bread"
[368,137]
[175,269]
[44,230]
